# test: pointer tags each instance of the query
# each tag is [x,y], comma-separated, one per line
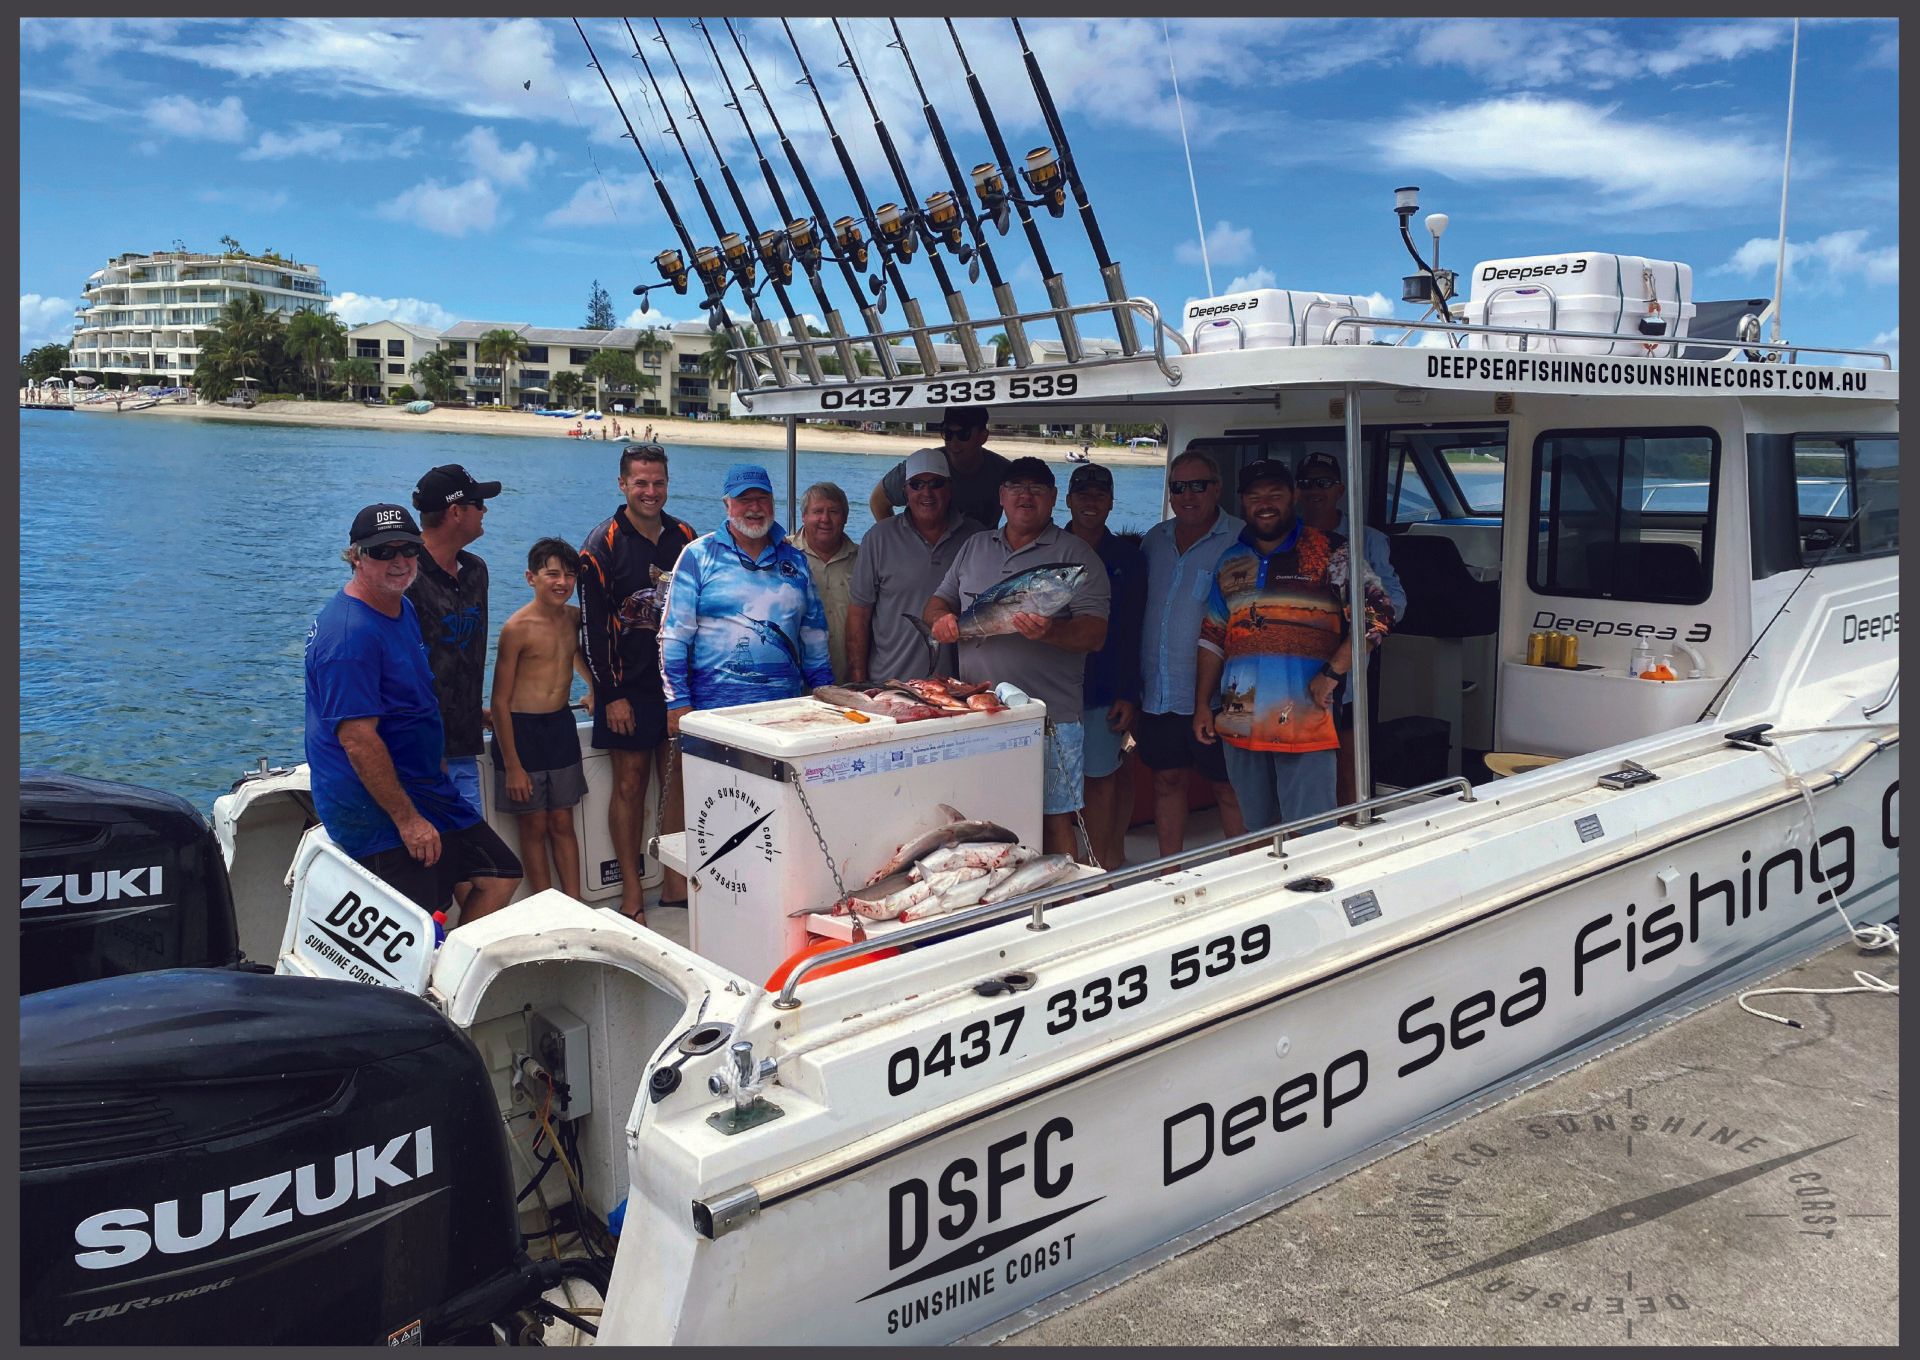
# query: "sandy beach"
[754,434]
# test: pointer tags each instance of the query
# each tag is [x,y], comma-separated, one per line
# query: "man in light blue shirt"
[1181,554]
[1321,497]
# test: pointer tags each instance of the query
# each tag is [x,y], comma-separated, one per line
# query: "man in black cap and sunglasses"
[374,741]
[976,471]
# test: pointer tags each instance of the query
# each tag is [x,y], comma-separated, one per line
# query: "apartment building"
[143,314]
[392,347]
[680,383]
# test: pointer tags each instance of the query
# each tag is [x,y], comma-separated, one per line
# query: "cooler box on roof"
[1587,291]
[751,772]
[1265,318]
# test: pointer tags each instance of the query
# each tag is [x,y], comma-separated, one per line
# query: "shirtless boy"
[538,774]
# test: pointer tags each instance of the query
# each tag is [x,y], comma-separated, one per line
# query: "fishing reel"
[853,246]
[776,253]
[941,224]
[1046,180]
[673,271]
[896,226]
[804,242]
[733,248]
[990,187]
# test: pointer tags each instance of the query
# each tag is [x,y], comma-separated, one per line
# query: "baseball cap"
[450,485]
[932,461]
[968,418]
[1029,469]
[1265,470]
[379,524]
[1090,477]
[746,477]
[1324,463]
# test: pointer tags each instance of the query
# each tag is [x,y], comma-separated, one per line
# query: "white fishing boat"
[923,1129]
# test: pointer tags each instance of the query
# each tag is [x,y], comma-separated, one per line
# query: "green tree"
[434,369]
[357,373]
[718,360]
[502,348]
[613,368]
[43,362]
[1002,348]
[567,387]
[599,310]
[316,338]
[245,342]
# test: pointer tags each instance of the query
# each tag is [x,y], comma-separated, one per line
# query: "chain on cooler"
[839,888]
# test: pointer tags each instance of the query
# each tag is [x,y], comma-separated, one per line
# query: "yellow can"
[1551,651]
[1536,649]
[1570,651]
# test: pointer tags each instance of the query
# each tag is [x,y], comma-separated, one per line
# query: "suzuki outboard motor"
[212,1157]
[116,879]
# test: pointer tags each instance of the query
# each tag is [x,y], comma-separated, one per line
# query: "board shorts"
[1064,756]
[649,727]
[1166,742]
[464,771]
[1103,746]
[548,745]
[471,852]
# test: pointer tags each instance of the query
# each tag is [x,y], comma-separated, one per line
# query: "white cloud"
[1637,165]
[44,320]
[1226,245]
[447,209]
[484,153]
[357,309]
[181,116]
[1826,261]
[1379,304]
[336,142]
[639,320]
[70,104]
[604,199]
[1262,277]
[1888,341]
[254,200]
[1538,53]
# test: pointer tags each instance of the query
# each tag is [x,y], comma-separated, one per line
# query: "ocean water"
[169,567]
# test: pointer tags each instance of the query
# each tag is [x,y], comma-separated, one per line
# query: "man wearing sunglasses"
[902,562]
[373,735]
[976,470]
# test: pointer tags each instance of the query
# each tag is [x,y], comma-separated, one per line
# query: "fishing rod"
[777,247]
[1041,173]
[671,264]
[805,238]
[910,222]
[737,258]
[958,202]
[910,305]
[991,182]
[778,264]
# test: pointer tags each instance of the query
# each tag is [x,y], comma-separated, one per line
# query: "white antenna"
[1780,263]
[1192,184]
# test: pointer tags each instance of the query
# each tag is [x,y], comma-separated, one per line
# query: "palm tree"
[1002,348]
[718,360]
[434,369]
[567,387]
[502,348]
[247,335]
[612,368]
[315,337]
[357,373]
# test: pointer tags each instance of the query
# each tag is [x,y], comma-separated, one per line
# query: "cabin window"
[1848,493]
[1625,514]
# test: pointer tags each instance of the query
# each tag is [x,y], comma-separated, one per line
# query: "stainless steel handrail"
[1553,306]
[1465,330]
[750,358]
[1893,692]
[1038,902]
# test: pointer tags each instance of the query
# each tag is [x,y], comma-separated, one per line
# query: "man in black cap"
[976,471]
[373,735]
[450,596]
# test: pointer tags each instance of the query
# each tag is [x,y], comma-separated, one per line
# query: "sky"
[441,170]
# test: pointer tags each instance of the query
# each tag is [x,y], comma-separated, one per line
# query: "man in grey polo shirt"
[902,562]
[1047,656]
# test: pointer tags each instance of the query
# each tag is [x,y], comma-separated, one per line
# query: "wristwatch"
[1327,670]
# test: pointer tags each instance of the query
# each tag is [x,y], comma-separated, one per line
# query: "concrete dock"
[1724,1180]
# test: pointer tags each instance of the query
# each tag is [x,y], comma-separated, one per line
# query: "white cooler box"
[752,858]
[1587,291]
[1266,318]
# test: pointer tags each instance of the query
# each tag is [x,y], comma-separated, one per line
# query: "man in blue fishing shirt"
[744,622]
[375,746]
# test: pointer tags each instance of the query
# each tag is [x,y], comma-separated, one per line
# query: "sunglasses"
[1181,488]
[1318,483]
[954,432]
[386,552]
[926,483]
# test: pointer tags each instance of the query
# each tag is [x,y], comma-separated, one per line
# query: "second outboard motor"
[116,879]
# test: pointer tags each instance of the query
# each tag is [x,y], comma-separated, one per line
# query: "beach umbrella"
[85,381]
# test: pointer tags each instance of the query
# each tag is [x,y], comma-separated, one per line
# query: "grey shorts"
[553,790]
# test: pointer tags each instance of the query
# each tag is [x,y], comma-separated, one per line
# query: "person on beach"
[1112,694]
[1181,554]
[624,566]
[902,562]
[975,469]
[831,556]
[743,620]
[538,773]
[1046,657]
[450,598]
[1276,630]
[374,743]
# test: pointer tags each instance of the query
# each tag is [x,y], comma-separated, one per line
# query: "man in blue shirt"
[375,746]
[743,622]
[1181,554]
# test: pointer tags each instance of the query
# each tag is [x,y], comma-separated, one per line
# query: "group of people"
[1213,642]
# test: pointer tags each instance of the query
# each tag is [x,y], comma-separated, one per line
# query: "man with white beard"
[744,622]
